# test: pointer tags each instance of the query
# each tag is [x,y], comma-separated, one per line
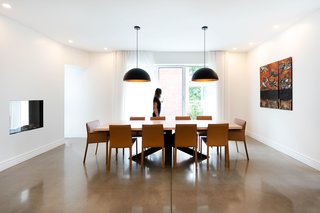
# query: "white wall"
[32,67]
[236,86]
[89,94]
[178,58]
[292,132]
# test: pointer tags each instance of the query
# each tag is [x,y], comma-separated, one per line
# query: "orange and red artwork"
[276,85]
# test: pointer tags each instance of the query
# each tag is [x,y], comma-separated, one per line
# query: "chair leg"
[85,154]
[130,158]
[162,157]
[245,146]
[175,157]
[200,147]
[227,158]
[142,157]
[107,153]
[237,146]
[196,156]
[207,157]
[97,148]
[199,142]
[109,161]
[137,146]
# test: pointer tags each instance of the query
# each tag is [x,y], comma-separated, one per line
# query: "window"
[181,96]
[171,84]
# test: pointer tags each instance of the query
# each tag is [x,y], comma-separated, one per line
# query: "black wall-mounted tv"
[25,115]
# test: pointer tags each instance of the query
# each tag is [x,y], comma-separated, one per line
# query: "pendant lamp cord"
[137,48]
[204,47]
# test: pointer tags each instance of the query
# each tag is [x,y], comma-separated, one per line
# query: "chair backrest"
[95,137]
[120,136]
[162,118]
[152,135]
[238,134]
[241,123]
[217,134]
[185,135]
[137,118]
[187,117]
[204,117]
[92,125]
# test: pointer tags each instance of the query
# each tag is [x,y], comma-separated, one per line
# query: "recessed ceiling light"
[6,5]
[70,41]
[105,48]
[276,26]
[234,48]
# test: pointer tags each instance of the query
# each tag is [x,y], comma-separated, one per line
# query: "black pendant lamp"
[136,74]
[204,74]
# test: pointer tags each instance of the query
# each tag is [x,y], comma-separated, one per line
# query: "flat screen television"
[25,115]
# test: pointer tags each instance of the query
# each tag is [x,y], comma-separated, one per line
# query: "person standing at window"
[156,103]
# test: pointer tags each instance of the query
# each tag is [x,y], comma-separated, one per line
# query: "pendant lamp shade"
[204,74]
[136,74]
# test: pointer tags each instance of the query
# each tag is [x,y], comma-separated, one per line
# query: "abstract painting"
[276,85]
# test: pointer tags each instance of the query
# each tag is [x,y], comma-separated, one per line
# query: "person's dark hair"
[157,93]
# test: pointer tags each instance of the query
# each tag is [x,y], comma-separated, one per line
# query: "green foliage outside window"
[195,93]
[195,109]
[195,97]
[192,70]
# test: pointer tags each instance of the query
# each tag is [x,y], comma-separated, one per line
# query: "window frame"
[184,88]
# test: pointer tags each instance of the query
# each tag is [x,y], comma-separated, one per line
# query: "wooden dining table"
[169,127]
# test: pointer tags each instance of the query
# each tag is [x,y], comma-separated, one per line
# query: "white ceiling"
[166,25]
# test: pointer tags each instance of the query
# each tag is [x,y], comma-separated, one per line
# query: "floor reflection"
[57,181]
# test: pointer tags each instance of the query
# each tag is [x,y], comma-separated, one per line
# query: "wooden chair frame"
[160,118]
[217,135]
[183,118]
[185,136]
[152,136]
[120,137]
[95,137]
[239,135]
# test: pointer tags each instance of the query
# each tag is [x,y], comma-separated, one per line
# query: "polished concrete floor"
[57,181]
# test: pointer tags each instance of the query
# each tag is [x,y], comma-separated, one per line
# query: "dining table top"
[136,125]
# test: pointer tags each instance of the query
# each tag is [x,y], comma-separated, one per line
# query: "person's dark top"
[156,100]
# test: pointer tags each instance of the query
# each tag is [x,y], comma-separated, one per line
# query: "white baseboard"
[28,155]
[286,150]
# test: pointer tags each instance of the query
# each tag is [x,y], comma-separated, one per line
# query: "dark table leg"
[146,153]
[168,143]
[191,152]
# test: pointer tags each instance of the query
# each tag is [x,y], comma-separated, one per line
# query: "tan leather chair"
[120,137]
[185,136]
[183,118]
[137,118]
[95,137]
[162,118]
[137,134]
[204,117]
[239,134]
[203,133]
[217,135]
[152,136]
